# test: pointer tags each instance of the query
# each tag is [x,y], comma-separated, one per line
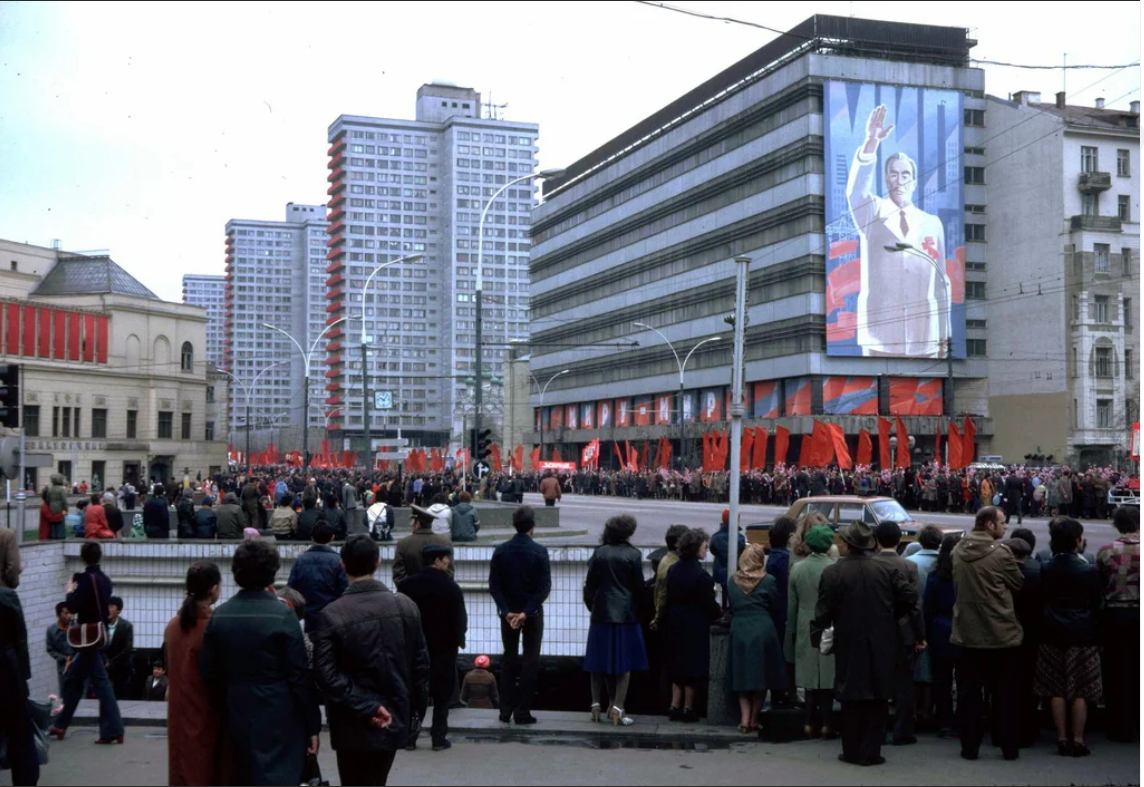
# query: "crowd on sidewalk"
[987,620]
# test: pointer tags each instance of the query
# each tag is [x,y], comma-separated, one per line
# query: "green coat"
[755,658]
[812,670]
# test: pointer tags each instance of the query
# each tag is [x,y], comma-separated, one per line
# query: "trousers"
[995,671]
[16,726]
[863,729]
[518,669]
[442,683]
[87,665]
[905,699]
[365,768]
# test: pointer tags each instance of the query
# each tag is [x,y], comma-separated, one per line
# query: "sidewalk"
[485,722]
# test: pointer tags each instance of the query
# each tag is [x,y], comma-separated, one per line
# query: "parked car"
[841,510]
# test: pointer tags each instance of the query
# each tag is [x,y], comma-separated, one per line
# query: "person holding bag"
[89,596]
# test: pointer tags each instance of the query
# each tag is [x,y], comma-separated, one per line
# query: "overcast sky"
[143,128]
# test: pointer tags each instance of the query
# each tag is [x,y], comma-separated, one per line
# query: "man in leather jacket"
[372,664]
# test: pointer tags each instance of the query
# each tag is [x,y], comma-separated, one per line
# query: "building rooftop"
[1092,118]
[83,275]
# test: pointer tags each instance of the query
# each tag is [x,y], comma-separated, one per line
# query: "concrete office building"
[274,275]
[207,292]
[646,228]
[1064,335]
[113,382]
[404,187]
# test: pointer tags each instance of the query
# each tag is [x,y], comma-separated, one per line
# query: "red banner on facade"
[782,445]
[865,448]
[759,449]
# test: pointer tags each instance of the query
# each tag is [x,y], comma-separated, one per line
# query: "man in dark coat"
[373,667]
[911,636]
[862,599]
[250,504]
[254,663]
[156,516]
[520,579]
[318,574]
[15,672]
[1015,496]
[445,623]
[231,519]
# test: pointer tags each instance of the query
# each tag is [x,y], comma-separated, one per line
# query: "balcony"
[336,161]
[336,214]
[334,280]
[337,200]
[337,264]
[1094,182]
[340,186]
[335,175]
[1095,224]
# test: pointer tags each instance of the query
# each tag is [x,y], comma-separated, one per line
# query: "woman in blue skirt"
[615,641]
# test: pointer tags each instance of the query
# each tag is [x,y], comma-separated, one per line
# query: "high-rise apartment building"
[208,293]
[1064,338]
[275,276]
[406,187]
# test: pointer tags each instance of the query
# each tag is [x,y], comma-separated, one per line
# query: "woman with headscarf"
[755,663]
[813,672]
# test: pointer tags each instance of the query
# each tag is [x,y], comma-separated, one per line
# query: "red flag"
[883,444]
[643,457]
[723,450]
[498,466]
[534,457]
[759,449]
[666,453]
[937,446]
[619,455]
[633,457]
[806,451]
[782,445]
[969,441]
[821,450]
[707,457]
[865,448]
[955,447]
[903,458]
[745,453]
[518,458]
[841,450]
[556,455]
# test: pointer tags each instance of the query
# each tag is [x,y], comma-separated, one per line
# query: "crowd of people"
[964,634]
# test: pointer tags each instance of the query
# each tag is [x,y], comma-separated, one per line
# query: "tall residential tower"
[208,292]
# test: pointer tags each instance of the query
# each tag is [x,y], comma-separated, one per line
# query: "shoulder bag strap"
[98,606]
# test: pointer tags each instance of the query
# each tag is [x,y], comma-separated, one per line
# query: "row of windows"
[1090,161]
[1090,206]
[1100,310]
[66,422]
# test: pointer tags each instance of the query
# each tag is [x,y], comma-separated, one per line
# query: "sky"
[142,128]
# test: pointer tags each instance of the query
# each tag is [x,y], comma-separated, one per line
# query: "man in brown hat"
[408,559]
[862,598]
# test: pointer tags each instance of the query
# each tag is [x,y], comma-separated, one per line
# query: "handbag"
[89,636]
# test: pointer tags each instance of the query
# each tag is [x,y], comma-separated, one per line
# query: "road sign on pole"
[481,469]
[392,456]
[399,442]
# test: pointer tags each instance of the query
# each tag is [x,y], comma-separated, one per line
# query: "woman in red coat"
[193,726]
[95,521]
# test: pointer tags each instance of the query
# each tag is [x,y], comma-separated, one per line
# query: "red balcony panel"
[337,265]
[336,175]
[336,332]
[333,373]
[337,200]
[230,248]
[335,228]
[334,294]
[337,240]
[333,400]
[335,386]
[333,254]
[337,214]
[334,414]
[333,347]
[336,160]
[333,281]
[336,188]
[334,307]
[229,258]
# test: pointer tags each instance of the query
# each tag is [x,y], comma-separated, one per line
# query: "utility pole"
[742,265]
[365,408]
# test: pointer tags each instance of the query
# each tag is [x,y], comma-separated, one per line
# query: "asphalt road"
[655,516]
[143,761]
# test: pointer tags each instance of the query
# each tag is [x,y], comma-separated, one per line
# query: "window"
[98,475]
[975,151]
[166,425]
[1075,367]
[1103,413]
[975,176]
[1127,314]
[186,432]
[1103,362]
[99,424]
[1102,257]
[975,290]
[976,324]
[132,424]
[975,117]
[1089,205]
[975,348]
[1124,163]
[1126,260]
[975,232]
[210,394]
[978,209]
[1124,207]
[1100,309]
[1076,308]
[209,435]
[1128,365]
[32,420]
[1089,162]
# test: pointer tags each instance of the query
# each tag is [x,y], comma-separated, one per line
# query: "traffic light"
[484,445]
[10,395]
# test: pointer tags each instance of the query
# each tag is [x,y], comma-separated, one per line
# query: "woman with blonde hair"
[755,663]
[799,550]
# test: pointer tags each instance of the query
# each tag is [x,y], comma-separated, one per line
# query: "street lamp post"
[548,173]
[682,365]
[908,248]
[543,390]
[365,403]
[246,389]
[306,358]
